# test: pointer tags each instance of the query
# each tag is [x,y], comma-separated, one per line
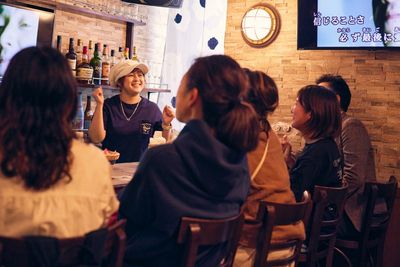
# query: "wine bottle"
[134,55]
[120,54]
[126,53]
[88,114]
[77,122]
[96,63]
[79,53]
[113,59]
[90,50]
[84,72]
[71,56]
[105,67]
[59,43]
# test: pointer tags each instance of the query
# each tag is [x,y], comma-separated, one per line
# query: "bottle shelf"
[153,88]
[85,8]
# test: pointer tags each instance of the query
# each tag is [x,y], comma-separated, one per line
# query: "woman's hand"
[168,115]
[98,95]
[287,151]
[286,146]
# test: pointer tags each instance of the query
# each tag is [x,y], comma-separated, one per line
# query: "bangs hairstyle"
[222,87]
[324,108]
[263,95]
[38,101]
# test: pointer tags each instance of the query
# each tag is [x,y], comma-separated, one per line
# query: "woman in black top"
[316,114]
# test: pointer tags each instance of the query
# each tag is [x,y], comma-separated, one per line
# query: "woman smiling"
[126,122]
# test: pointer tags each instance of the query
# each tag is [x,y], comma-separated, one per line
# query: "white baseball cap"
[125,67]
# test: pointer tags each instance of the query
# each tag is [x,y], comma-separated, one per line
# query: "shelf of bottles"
[110,90]
[111,9]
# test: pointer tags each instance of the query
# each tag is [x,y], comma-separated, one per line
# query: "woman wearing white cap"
[125,122]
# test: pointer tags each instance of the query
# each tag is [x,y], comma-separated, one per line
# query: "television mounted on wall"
[21,27]
[345,24]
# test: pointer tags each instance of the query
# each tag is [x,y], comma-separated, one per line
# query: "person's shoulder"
[349,121]
[89,152]
[160,157]
[351,124]
[160,153]
[111,100]
[148,104]
[321,146]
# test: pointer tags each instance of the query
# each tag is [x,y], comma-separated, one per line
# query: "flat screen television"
[348,24]
[21,27]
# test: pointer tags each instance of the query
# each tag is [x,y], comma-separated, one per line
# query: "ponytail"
[239,128]
[222,85]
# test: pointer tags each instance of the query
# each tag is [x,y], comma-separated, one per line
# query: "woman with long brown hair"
[46,183]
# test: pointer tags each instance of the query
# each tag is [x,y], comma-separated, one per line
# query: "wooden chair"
[194,232]
[374,223]
[328,206]
[257,234]
[278,214]
[103,247]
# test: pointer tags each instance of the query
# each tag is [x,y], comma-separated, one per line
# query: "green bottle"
[96,63]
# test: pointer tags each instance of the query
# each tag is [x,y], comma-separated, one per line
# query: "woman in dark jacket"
[316,114]
[203,173]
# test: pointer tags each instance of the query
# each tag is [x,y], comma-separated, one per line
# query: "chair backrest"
[376,220]
[278,214]
[195,232]
[328,206]
[103,247]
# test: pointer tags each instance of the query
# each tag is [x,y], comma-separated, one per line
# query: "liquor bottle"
[59,43]
[90,51]
[113,59]
[105,67]
[71,56]
[77,122]
[126,53]
[120,54]
[96,63]
[134,55]
[79,53]
[88,114]
[84,72]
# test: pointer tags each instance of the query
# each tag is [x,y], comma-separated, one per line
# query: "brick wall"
[372,76]
[149,39]
[78,26]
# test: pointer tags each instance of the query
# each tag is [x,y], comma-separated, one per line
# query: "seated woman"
[316,114]
[48,186]
[203,173]
[269,175]
[125,122]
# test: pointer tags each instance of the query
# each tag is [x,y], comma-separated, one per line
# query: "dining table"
[122,174]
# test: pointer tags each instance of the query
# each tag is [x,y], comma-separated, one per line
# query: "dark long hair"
[326,120]
[222,86]
[38,101]
[263,95]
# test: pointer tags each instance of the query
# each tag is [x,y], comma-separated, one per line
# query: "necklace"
[123,111]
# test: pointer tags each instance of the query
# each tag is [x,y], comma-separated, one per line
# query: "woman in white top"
[47,186]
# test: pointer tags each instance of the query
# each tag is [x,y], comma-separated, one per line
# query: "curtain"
[197,29]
